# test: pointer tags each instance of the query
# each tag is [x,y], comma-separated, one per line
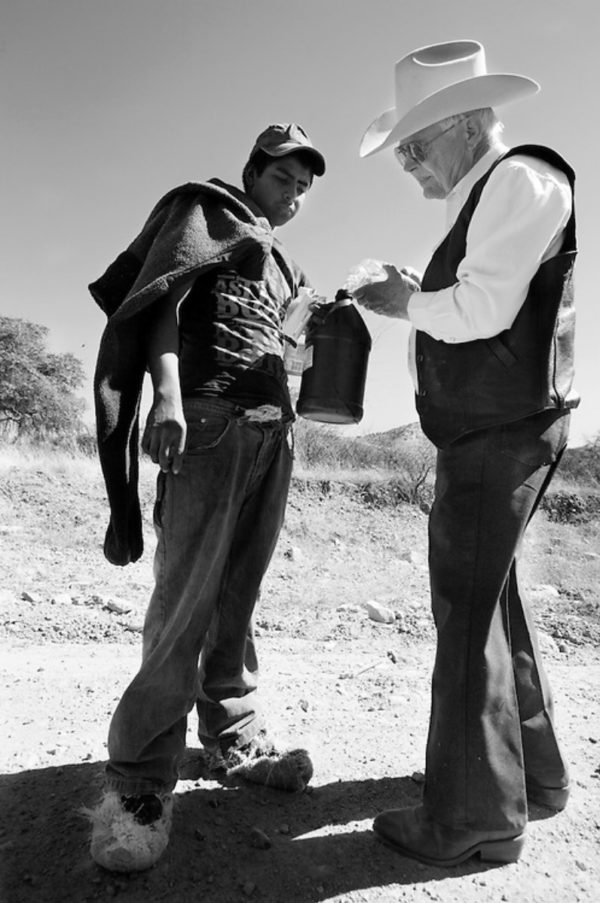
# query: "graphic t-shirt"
[230,325]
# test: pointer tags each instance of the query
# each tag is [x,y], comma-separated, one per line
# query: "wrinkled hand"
[300,310]
[165,434]
[390,297]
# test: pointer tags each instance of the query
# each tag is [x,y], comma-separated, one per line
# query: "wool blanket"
[192,229]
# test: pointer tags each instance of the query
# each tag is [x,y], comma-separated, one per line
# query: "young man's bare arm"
[165,432]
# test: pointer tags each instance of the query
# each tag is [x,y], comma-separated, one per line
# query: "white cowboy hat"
[438,81]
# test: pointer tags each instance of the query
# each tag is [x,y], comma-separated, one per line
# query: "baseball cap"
[287,138]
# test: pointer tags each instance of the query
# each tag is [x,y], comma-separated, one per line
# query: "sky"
[107,104]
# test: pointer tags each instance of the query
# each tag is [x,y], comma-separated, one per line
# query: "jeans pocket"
[538,440]
[206,432]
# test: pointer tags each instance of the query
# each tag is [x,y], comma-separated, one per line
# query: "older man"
[491,354]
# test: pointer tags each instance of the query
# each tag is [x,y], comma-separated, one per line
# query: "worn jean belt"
[264,414]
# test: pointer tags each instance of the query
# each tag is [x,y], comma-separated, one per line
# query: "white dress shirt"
[517,224]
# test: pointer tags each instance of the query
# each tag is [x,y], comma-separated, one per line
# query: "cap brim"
[470,94]
[283,150]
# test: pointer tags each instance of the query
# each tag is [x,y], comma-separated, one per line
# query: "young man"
[492,361]
[206,298]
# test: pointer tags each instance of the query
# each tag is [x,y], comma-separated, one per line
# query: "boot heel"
[508,850]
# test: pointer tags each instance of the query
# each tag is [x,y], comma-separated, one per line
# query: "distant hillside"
[400,435]
[573,497]
[580,464]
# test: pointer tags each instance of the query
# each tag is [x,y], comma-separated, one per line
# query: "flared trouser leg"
[491,717]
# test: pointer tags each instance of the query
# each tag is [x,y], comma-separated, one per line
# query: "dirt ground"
[353,691]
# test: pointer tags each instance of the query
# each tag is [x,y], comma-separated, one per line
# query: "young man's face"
[281,188]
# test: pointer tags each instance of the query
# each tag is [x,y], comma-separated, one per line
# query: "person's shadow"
[231,841]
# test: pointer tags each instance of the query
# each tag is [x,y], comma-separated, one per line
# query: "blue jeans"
[217,524]
[491,728]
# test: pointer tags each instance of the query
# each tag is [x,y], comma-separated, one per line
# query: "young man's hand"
[300,310]
[165,434]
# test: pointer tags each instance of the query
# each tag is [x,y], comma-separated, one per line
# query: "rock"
[293,553]
[546,642]
[378,612]
[31,597]
[413,557]
[134,628]
[118,606]
[61,599]
[545,591]
[259,840]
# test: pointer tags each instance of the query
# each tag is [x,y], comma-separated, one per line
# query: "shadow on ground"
[321,844]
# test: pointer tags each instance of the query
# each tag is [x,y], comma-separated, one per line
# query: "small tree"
[37,388]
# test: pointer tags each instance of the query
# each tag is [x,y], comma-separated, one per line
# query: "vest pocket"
[501,352]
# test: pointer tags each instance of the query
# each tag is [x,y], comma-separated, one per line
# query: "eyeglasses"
[417,150]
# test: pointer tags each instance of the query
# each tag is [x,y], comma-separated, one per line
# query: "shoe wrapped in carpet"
[259,761]
[130,833]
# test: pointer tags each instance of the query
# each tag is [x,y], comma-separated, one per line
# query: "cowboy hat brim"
[492,90]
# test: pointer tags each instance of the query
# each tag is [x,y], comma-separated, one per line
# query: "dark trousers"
[491,726]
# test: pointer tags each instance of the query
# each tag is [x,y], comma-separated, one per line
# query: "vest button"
[420,358]
[422,392]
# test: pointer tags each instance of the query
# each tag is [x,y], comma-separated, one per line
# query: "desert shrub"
[402,459]
[565,506]
[87,444]
[320,446]
[582,465]
[384,493]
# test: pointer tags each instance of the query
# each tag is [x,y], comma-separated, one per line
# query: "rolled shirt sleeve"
[517,224]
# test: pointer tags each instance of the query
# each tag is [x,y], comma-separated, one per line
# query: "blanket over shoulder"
[192,229]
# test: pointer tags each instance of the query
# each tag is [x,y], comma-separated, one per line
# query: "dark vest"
[525,369]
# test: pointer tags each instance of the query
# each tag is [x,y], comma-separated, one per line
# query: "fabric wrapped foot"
[130,833]
[259,761]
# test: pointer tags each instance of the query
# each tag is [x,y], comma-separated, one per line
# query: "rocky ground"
[353,690]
